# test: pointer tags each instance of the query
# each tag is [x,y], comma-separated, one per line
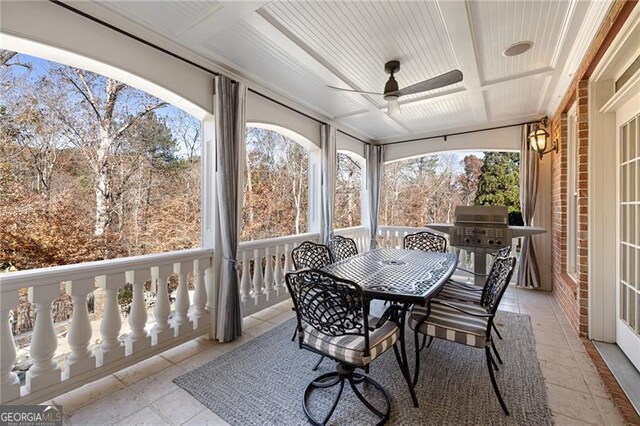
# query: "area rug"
[262,382]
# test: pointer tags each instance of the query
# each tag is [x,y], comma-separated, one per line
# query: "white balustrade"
[9,382]
[44,379]
[111,348]
[360,234]
[44,372]
[265,286]
[80,360]
[181,321]
[161,331]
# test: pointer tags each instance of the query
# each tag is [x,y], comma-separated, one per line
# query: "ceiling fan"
[392,93]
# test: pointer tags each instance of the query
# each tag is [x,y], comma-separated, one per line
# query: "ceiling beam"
[457,21]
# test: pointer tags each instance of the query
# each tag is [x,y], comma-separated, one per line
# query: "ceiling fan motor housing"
[391,68]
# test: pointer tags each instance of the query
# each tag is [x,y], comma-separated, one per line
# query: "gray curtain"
[528,273]
[328,139]
[375,168]
[229,112]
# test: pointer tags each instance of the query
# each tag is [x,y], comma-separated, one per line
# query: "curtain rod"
[445,136]
[351,136]
[282,104]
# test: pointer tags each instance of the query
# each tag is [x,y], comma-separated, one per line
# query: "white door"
[628,256]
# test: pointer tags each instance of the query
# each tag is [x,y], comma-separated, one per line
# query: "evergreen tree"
[499,181]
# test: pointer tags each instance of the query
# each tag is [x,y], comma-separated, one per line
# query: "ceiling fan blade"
[354,91]
[443,80]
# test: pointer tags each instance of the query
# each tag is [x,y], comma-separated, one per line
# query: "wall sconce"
[538,138]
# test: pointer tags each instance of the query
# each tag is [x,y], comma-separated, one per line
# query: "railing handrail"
[55,274]
[352,229]
[401,228]
[276,241]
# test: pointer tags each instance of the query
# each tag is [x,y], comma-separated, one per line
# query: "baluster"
[44,372]
[268,273]
[161,331]
[257,275]
[287,259]
[277,273]
[199,314]
[181,321]
[138,339]
[9,382]
[111,348]
[245,283]
[80,360]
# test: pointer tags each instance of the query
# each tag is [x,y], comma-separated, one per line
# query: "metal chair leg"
[318,363]
[416,372]
[495,350]
[295,333]
[430,341]
[493,325]
[493,361]
[493,380]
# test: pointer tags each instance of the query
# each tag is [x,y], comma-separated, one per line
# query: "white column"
[44,372]
[277,272]
[245,281]
[181,321]
[80,359]
[257,275]
[161,331]
[287,259]
[138,339]
[268,273]
[9,382]
[199,314]
[111,348]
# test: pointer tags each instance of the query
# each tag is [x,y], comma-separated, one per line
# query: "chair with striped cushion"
[464,292]
[342,247]
[466,323]
[311,255]
[333,321]
[425,241]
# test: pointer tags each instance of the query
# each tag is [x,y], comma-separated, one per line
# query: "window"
[348,191]
[275,195]
[427,189]
[91,168]
[572,193]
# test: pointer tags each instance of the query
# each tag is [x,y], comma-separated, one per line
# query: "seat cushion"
[459,292]
[349,348]
[449,324]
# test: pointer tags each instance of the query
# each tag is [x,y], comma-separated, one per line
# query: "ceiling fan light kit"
[392,92]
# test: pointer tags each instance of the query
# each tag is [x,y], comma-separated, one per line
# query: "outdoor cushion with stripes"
[447,323]
[459,292]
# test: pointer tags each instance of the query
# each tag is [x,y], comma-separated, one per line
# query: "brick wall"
[573,294]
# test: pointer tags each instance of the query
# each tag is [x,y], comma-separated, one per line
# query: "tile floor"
[145,395]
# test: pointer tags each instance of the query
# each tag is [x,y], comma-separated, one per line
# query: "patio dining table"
[403,277]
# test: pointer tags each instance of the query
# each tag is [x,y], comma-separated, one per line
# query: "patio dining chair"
[425,241]
[466,323]
[333,321]
[342,247]
[465,292]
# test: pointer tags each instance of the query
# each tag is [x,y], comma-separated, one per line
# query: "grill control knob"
[499,242]
[490,241]
[467,240]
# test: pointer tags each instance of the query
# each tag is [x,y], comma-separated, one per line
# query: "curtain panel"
[328,140]
[375,170]
[229,113]
[528,273]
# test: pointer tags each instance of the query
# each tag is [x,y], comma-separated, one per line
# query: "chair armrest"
[443,303]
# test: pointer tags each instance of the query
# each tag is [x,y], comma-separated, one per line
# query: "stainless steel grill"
[481,227]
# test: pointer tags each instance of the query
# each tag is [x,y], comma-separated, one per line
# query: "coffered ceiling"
[297,48]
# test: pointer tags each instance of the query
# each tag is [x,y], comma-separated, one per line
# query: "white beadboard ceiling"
[296,48]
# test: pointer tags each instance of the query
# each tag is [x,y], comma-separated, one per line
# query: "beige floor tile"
[201,358]
[206,418]
[555,354]
[285,306]
[283,317]
[142,369]
[584,362]
[566,377]
[552,338]
[78,398]
[187,349]
[608,412]
[248,322]
[266,314]
[110,409]
[560,420]
[177,407]
[572,403]
[160,384]
[260,329]
[144,417]
[595,384]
